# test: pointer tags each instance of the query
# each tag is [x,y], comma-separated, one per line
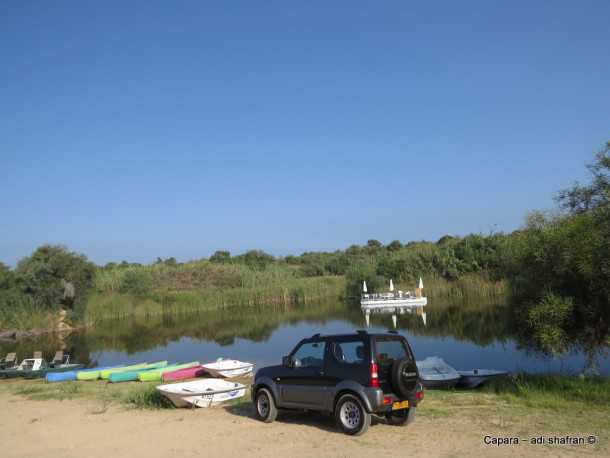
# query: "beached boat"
[230,367]
[186,373]
[71,375]
[105,374]
[96,373]
[132,375]
[436,373]
[478,377]
[37,368]
[202,393]
[156,375]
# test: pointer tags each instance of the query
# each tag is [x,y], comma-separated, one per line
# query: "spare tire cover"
[404,376]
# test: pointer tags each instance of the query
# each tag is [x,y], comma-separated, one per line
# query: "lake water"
[466,336]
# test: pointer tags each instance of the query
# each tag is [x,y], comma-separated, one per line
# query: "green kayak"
[105,373]
[156,375]
[130,376]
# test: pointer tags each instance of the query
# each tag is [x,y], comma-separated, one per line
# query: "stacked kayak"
[157,375]
[72,375]
[221,368]
[131,373]
[97,373]
[182,374]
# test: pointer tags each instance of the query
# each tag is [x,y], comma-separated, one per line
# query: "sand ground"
[84,428]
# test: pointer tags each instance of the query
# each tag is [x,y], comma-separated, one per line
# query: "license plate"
[400,405]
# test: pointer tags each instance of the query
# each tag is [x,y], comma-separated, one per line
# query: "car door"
[303,385]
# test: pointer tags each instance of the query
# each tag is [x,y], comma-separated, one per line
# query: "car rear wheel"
[351,415]
[401,417]
[265,406]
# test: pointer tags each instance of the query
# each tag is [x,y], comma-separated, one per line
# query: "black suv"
[351,376]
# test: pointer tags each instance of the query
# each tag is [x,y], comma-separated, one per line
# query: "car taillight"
[374,376]
[419,394]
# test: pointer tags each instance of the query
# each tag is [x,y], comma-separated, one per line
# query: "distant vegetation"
[555,270]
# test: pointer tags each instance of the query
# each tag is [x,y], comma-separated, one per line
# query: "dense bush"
[54,277]
[137,282]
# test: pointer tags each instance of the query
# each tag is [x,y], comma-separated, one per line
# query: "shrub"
[137,282]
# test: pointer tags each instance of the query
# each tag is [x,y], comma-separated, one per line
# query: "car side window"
[350,352]
[310,354]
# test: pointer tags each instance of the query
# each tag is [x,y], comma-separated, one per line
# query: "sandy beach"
[80,427]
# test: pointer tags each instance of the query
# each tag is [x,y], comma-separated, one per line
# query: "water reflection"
[472,334]
[394,312]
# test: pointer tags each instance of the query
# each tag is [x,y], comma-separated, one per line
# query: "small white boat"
[230,368]
[477,377]
[202,393]
[434,372]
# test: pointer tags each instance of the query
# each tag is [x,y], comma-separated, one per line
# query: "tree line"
[557,264]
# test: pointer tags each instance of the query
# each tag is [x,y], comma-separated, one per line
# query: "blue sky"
[131,130]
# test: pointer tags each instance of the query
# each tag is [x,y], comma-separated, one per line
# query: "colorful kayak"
[132,375]
[104,374]
[156,375]
[97,373]
[183,374]
[71,375]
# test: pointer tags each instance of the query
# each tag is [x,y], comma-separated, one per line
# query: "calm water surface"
[466,336]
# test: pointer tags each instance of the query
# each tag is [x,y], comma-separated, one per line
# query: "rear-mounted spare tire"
[404,377]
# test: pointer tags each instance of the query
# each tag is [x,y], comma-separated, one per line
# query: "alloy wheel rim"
[263,405]
[350,415]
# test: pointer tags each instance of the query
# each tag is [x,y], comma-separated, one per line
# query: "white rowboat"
[230,367]
[202,393]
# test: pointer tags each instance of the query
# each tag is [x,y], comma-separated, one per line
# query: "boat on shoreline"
[434,372]
[202,393]
[230,368]
[477,377]
[31,368]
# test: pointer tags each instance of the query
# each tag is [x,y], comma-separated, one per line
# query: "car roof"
[358,333]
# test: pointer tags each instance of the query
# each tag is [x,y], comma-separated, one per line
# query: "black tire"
[351,416]
[402,417]
[264,406]
[404,377]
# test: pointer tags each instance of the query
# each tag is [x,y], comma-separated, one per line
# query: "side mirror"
[287,361]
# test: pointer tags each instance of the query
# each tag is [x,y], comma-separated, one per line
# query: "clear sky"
[131,130]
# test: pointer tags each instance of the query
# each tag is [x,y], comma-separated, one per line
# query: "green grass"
[552,391]
[134,395]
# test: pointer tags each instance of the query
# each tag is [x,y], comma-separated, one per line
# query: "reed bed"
[102,307]
[28,316]
[467,287]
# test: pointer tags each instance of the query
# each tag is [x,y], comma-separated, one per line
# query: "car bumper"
[380,402]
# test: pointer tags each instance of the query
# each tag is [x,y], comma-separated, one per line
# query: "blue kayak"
[71,375]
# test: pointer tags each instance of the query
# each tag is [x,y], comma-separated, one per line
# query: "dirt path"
[80,428]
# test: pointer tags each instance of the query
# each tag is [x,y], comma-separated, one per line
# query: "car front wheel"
[265,406]
[351,415]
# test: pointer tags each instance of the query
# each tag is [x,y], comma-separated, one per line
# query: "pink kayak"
[181,374]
